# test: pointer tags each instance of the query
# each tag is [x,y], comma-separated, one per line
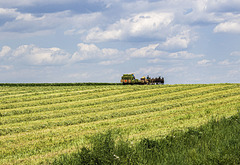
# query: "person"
[133,76]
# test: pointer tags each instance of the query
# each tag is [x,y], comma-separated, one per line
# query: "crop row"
[112,106]
[145,124]
[75,119]
[150,98]
[70,103]
[42,91]
[51,95]
[65,104]
[103,115]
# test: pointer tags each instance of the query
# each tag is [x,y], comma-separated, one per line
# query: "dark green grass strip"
[217,142]
[55,84]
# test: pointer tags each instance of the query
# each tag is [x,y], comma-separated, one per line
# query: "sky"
[56,41]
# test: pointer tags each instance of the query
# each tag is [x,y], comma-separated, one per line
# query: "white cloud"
[5,67]
[5,51]
[32,55]
[157,60]
[18,16]
[19,23]
[235,53]
[8,12]
[86,51]
[28,23]
[112,62]
[16,3]
[204,62]
[176,42]
[206,12]
[107,56]
[147,51]
[229,27]
[148,22]
[48,56]
[156,70]
[25,3]
[152,51]
[142,25]
[92,52]
[176,70]
[179,41]
[185,55]
[223,5]
[224,62]
[98,35]
[80,23]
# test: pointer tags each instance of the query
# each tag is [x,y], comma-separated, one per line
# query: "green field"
[38,123]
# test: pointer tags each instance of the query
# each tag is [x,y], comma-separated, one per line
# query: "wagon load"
[130,79]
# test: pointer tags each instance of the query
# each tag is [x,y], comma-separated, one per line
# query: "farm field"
[39,123]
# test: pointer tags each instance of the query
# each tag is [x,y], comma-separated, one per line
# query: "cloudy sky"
[185,41]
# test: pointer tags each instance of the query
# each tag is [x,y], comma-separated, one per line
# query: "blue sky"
[184,41]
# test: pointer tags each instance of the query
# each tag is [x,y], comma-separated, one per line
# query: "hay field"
[39,123]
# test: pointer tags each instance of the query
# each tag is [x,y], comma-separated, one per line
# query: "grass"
[41,121]
[55,84]
[216,142]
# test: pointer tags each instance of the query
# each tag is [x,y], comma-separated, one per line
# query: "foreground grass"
[38,123]
[216,142]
